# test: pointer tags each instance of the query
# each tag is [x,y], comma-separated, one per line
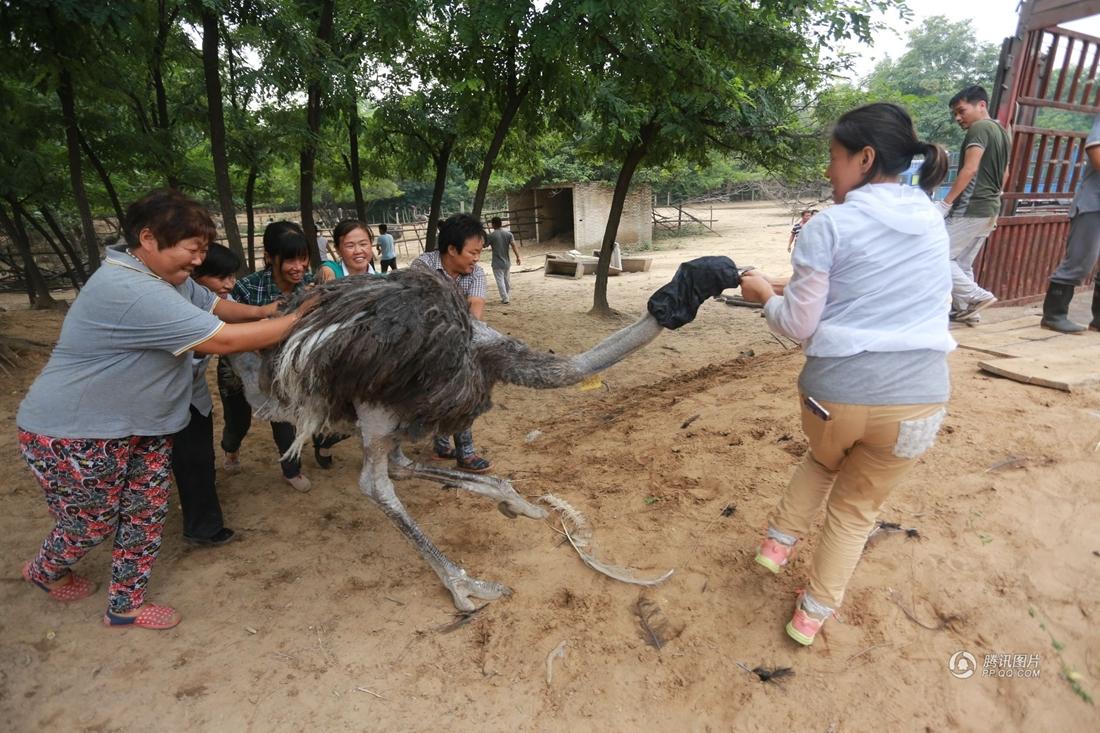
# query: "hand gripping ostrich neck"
[402,358]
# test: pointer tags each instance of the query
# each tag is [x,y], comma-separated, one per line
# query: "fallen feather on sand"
[557,653]
[579,538]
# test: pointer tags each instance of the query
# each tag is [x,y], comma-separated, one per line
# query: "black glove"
[697,280]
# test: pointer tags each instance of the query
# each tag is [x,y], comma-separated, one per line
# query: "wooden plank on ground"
[1004,343]
[1082,346]
[1012,324]
[1066,371]
[999,339]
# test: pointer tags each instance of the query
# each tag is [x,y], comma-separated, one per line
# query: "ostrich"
[401,358]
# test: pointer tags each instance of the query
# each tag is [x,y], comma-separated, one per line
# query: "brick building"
[577,213]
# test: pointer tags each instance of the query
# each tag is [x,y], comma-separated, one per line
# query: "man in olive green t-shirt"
[974,201]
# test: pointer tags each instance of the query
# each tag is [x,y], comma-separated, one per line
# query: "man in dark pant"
[387,249]
[284,434]
[1082,247]
[193,466]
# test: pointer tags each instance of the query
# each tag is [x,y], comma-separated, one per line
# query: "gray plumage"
[409,344]
[401,342]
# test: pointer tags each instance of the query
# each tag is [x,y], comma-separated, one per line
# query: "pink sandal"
[78,588]
[151,617]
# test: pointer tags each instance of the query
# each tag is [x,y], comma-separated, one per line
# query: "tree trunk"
[250,215]
[308,156]
[72,142]
[22,213]
[74,257]
[622,185]
[210,44]
[353,160]
[163,123]
[102,173]
[507,116]
[441,162]
[37,289]
[8,258]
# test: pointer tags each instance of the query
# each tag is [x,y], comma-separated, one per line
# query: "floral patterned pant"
[96,487]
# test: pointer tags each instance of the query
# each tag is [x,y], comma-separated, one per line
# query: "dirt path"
[323,618]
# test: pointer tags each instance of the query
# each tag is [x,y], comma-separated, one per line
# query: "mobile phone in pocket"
[816,408]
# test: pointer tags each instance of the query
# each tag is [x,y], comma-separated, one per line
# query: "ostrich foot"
[508,500]
[463,587]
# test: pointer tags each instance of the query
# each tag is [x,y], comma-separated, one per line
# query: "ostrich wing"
[402,342]
[248,366]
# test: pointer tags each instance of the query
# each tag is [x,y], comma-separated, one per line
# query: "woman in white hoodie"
[869,301]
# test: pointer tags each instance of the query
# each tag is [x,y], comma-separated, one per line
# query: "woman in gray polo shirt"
[95,426]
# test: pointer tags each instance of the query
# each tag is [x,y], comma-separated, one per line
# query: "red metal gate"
[1051,69]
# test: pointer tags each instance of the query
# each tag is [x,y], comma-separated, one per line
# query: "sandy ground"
[322,618]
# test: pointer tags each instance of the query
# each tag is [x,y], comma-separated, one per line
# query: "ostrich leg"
[374,481]
[510,503]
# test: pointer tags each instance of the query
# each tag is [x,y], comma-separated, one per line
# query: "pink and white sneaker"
[803,626]
[773,554]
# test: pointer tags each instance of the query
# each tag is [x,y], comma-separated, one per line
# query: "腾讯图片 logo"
[962,664]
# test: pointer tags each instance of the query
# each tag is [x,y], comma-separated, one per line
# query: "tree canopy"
[941,59]
[435,105]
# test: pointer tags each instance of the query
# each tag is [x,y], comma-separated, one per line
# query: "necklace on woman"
[147,270]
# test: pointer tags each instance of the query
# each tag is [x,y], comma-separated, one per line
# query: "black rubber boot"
[1095,325]
[1056,309]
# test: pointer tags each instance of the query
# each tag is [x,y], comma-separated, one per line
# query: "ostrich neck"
[617,346]
[513,362]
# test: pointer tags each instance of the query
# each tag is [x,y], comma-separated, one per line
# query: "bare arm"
[477,306]
[231,311]
[325,274]
[969,169]
[234,337]
[1093,152]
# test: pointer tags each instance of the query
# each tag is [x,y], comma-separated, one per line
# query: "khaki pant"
[968,235]
[856,458]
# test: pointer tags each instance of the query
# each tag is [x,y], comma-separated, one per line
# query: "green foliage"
[724,92]
[942,58]
[1070,675]
[683,180]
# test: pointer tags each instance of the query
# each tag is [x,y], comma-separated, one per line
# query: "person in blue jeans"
[461,240]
